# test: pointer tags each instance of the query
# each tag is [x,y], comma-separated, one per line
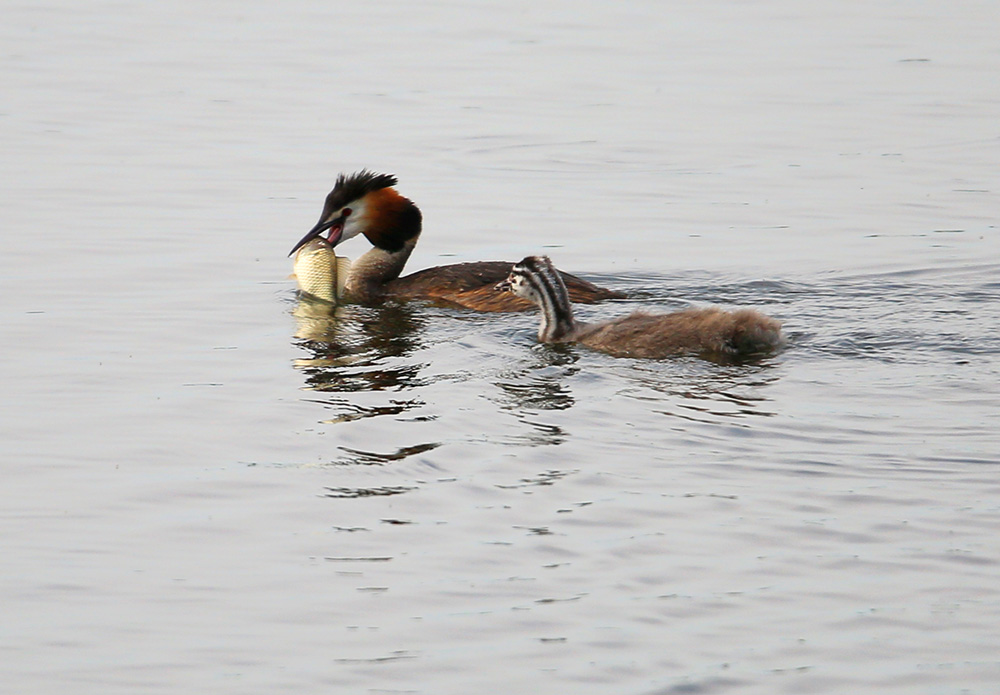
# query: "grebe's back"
[471,285]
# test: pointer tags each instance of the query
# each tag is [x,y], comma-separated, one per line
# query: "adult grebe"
[712,331]
[366,203]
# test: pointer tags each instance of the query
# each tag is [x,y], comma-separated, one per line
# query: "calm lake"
[210,487]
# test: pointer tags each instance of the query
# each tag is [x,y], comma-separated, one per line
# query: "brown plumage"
[703,331]
[471,285]
[711,331]
[366,203]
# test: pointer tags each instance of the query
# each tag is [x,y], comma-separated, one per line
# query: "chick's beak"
[503,286]
[336,227]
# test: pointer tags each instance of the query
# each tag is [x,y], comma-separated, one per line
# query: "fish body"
[320,272]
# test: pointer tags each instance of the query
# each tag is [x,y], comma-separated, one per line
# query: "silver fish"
[319,272]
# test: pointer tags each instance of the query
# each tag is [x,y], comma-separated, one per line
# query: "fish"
[320,273]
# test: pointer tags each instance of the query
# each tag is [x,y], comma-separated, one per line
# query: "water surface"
[211,487]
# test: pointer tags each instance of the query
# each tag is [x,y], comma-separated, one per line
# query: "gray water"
[208,487]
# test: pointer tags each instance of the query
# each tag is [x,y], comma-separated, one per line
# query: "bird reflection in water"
[702,391]
[354,349]
[540,384]
[537,386]
[350,345]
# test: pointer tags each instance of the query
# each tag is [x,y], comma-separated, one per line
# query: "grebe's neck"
[377,267]
[542,284]
[557,322]
[392,224]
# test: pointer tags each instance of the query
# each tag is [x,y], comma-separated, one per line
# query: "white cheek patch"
[356,222]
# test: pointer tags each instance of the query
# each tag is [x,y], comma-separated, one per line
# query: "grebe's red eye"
[346,212]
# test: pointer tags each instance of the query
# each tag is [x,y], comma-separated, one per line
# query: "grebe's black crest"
[354,186]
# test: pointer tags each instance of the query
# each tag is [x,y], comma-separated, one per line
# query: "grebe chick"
[712,331]
[366,203]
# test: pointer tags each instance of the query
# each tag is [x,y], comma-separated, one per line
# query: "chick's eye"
[346,212]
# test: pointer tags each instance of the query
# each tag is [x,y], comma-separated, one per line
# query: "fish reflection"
[350,345]
[318,320]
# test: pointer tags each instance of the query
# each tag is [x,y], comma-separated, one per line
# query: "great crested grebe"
[711,331]
[366,203]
